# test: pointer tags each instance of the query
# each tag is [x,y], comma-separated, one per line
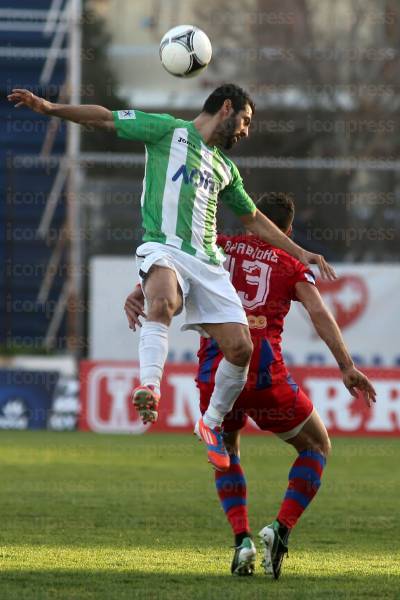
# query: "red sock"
[232,492]
[304,481]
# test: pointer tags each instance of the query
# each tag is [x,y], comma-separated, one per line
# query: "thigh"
[160,274]
[162,282]
[228,335]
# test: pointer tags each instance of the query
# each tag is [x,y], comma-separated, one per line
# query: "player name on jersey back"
[250,250]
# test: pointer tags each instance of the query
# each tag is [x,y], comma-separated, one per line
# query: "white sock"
[229,382]
[153,350]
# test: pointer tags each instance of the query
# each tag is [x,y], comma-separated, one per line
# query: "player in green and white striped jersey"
[184,177]
[179,263]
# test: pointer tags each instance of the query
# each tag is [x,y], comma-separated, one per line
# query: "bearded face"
[229,132]
[234,127]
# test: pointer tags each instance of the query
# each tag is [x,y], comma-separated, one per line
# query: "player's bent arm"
[328,330]
[89,115]
[266,230]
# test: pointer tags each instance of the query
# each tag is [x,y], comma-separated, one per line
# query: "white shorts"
[208,294]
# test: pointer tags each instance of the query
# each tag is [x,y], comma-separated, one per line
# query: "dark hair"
[277,206]
[228,91]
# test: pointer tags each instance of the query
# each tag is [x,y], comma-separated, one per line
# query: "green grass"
[124,517]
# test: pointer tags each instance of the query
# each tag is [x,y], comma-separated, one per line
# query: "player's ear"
[227,107]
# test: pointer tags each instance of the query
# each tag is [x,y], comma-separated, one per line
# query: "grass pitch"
[122,517]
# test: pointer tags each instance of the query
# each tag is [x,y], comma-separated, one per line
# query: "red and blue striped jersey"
[265,279]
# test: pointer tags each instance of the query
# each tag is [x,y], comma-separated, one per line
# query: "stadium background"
[325,78]
[325,84]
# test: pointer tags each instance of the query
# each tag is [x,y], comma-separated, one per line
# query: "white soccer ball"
[185,51]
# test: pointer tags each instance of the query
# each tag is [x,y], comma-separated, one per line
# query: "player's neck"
[206,125]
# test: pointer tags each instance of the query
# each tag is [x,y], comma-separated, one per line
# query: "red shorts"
[280,408]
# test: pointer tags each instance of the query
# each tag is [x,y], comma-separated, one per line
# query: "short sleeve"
[301,274]
[235,196]
[145,127]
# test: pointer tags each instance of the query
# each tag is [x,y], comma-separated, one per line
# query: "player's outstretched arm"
[266,230]
[328,330]
[88,115]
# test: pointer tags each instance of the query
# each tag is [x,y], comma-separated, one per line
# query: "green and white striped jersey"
[183,180]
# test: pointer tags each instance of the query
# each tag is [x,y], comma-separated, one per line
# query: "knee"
[238,352]
[321,446]
[318,442]
[161,307]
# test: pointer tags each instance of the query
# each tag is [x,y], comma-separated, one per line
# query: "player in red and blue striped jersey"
[267,281]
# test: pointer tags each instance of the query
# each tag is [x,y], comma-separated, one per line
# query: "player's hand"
[357,383]
[28,99]
[134,308]
[325,269]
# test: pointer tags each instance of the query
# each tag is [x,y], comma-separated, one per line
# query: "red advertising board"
[106,408]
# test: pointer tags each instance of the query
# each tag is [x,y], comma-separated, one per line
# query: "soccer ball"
[185,51]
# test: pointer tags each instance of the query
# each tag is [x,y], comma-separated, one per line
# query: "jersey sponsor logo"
[198,178]
[257,322]
[126,114]
[181,140]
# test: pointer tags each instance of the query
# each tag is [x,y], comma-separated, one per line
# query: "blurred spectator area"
[33,55]
[325,78]
[349,212]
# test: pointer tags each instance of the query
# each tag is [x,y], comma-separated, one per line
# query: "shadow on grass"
[63,584]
